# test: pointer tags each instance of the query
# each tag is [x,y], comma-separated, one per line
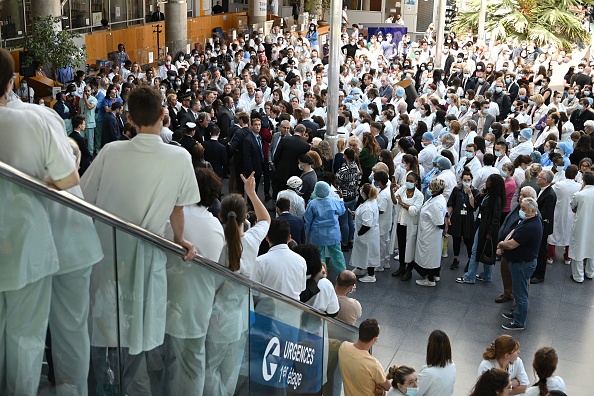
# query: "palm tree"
[539,21]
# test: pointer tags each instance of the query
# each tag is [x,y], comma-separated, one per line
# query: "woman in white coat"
[429,235]
[410,201]
[563,214]
[366,248]
[581,245]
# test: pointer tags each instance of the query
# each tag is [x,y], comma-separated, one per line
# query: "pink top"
[510,190]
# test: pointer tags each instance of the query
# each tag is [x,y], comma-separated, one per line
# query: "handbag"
[488,256]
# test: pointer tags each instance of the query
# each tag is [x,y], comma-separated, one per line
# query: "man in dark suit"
[225,117]
[297,224]
[190,115]
[547,200]
[286,158]
[512,86]
[253,152]
[235,150]
[157,15]
[218,8]
[78,125]
[308,123]
[187,141]
[483,119]
[111,129]
[216,153]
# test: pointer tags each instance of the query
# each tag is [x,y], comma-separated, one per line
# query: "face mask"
[497,153]
[507,80]
[162,90]
[488,143]
[512,109]
[580,107]
[522,214]
[466,184]
[428,91]
[462,108]
[498,89]
[429,68]
[481,80]
[587,93]
[459,60]
[485,111]
[559,168]
[424,144]
[448,101]
[300,167]
[281,78]
[379,69]
[467,76]
[458,70]
[168,63]
[520,76]
[489,70]
[415,105]
[580,70]
[447,123]
[469,155]
[504,68]
[570,97]
[558,151]
[178,83]
[229,76]
[479,68]
[531,102]
[412,391]
[503,174]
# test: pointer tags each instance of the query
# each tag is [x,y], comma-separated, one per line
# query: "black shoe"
[407,275]
[512,327]
[455,264]
[534,280]
[350,245]
[400,271]
[344,248]
[508,315]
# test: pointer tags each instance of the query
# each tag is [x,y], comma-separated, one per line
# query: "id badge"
[463,212]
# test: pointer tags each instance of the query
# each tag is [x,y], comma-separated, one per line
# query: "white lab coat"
[429,234]
[450,182]
[524,148]
[563,214]
[410,220]
[426,157]
[366,248]
[581,245]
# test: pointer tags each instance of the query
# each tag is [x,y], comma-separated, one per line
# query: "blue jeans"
[520,274]
[347,224]
[487,273]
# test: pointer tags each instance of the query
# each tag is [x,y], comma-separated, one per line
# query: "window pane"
[98,11]
[136,9]
[11,14]
[118,10]
[79,12]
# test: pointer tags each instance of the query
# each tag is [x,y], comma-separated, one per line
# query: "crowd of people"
[501,372]
[477,148]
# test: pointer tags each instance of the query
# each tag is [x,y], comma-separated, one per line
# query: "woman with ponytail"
[493,382]
[503,353]
[544,364]
[227,329]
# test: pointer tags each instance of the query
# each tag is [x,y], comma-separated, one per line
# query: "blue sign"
[284,357]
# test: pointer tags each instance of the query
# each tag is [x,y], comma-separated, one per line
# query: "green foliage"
[314,7]
[51,47]
[535,20]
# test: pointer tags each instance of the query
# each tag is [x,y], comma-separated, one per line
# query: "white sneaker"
[387,265]
[423,282]
[436,278]
[379,269]
[567,262]
[367,279]
[397,257]
[444,254]
[359,272]
[550,261]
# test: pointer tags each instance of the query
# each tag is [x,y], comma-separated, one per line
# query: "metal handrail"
[75,203]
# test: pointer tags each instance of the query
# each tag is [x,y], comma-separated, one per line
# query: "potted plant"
[51,47]
[318,9]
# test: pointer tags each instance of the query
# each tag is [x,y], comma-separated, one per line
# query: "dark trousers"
[541,261]
[278,185]
[457,241]
[401,234]
[426,272]
[267,173]
[506,278]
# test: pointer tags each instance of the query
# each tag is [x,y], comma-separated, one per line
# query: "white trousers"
[577,269]
[23,323]
[189,369]
[68,321]
[385,250]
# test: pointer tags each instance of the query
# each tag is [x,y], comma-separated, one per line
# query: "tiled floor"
[561,316]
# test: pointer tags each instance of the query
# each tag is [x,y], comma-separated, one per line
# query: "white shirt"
[437,381]
[500,161]
[480,178]
[326,300]
[384,204]
[516,370]
[524,148]
[553,383]
[166,135]
[297,202]
[281,269]
[39,148]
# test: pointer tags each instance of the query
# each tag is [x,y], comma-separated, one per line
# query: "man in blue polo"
[520,248]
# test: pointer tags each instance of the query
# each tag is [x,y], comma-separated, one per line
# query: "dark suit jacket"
[157,16]
[297,225]
[110,130]
[253,156]
[512,90]
[186,116]
[216,153]
[85,158]
[546,205]
[469,84]
[287,153]
[490,119]
[60,108]
[224,121]
[188,143]
[173,115]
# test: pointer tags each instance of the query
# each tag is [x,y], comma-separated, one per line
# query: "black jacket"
[286,157]
[297,226]
[111,130]
[546,206]
[85,158]
[253,156]
[488,224]
[216,153]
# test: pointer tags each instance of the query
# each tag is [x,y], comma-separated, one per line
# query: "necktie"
[259,140]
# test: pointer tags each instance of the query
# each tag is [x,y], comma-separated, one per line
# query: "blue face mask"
[466,184]
[498,89]
[497,153]
[410,185]
[469,155]
[416,104]
[412,391]
[462,108]
[559,168]
[522,214]
[503,174]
